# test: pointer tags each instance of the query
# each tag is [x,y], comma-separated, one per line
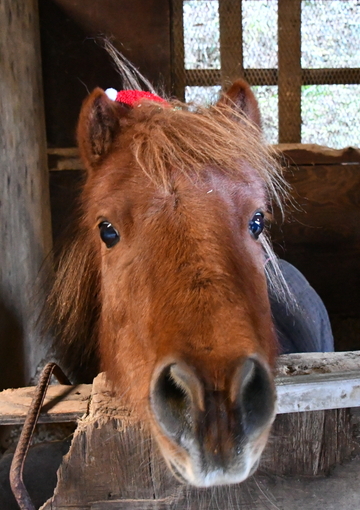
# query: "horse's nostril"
[253,394]
[175,395]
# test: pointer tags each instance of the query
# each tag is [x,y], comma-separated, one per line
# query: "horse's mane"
[164,136]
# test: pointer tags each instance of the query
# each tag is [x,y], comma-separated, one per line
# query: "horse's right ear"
[98,125]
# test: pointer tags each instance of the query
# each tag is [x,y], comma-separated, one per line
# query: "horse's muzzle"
[209,436]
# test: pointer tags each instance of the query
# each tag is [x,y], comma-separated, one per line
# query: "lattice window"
[302,58]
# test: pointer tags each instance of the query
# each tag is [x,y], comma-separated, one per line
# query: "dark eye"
[109,235]
[256,225]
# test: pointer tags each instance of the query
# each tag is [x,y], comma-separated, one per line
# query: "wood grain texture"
[308,363]
[295,154]
[114,463]
[25,228]
[68,403]
[64,159]
[309,443]
[299,154]
[320,235]
[62,404]
[311,370]
[74,63]
[178,50]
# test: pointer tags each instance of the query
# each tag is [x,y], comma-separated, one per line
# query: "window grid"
[289,78]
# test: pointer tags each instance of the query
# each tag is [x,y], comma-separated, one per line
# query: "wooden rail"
[318,381]
[304,382]
[62,404]
[295,154]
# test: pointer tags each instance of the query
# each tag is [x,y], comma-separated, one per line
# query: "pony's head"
[166,281]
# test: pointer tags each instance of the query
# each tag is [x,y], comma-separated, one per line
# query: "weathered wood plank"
[318,381]
[309,363]
[112,448]
[295,154]
[311,154]
[25,228]
[317,440]
[64,159]
[62,404]
[305,382]
[318,392]
[112,459]
[131,504]
[309,443]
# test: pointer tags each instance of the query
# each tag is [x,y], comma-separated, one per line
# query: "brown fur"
[186,281]
[160,139]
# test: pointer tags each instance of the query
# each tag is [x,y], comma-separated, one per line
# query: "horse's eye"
[256,225]
[109,235]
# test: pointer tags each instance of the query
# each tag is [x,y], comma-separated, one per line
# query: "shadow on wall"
[11,349]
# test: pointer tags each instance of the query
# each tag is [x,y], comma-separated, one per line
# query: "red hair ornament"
[132,97]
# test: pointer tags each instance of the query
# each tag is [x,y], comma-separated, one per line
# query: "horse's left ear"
[241,98]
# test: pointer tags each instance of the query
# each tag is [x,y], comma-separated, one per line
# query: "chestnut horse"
[164,285]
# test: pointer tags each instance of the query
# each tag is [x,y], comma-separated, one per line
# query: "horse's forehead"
[247,183]
[119,178]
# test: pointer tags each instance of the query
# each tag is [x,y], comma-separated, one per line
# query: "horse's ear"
[98,125]
[241,98]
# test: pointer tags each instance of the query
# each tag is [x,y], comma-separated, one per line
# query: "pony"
[164,284]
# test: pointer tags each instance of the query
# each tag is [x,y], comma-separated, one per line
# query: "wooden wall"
[74,62]
[321,235]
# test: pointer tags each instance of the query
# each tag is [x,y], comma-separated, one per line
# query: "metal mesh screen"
[330,41]
[302,58]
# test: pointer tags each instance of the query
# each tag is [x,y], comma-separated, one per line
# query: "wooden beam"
[139,504]
[295,154]
[203,77]
[338,76]
[318,392]
[64,159]
[316,381]
[231,54]
[305,382]
[312,154]
[289,37]
[25,225]
[177,50]
[211,77]
[62,404]
[113,448]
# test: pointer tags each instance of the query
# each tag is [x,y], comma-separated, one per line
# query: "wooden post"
[289,29]
[114,448]
[25,229]
[178,50]
[230,16]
